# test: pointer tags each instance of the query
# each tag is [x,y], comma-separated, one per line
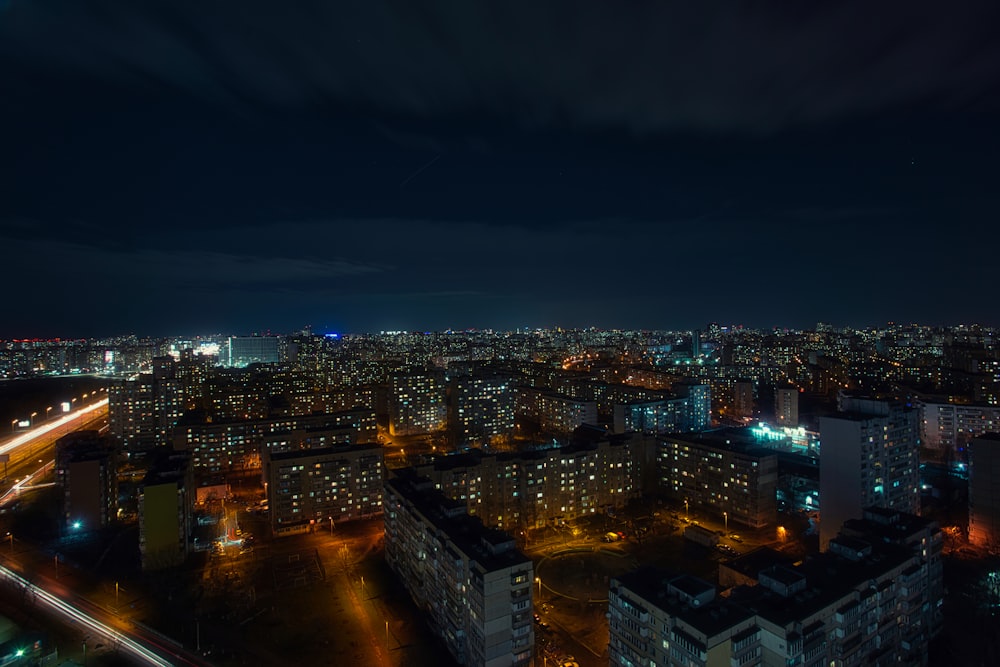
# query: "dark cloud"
[182,166]
[638,66]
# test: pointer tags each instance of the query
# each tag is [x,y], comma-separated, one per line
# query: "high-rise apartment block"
[869,458]
[308,488]
[417,403]
[723,476]
[482,408]
[690,411]
[786,406]
[221,446]
[743,400]
[473,583]
[553,412]
[871,600]
[143,410]
[513,491]
[984,492]
[166,505]
[948,427]
[87,473]
[245,350]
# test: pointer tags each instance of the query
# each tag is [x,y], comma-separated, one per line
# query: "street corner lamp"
[31,420]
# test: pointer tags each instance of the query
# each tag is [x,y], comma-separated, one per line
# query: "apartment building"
[863,602]
[513,491]
[307,489]
[722,475]
[472,582]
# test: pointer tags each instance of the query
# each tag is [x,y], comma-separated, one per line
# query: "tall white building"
[869,457]
[474,585]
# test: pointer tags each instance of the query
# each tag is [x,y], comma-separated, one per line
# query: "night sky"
[189,167]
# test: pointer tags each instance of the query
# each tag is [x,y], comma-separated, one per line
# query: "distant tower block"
[786,406]
[743,399]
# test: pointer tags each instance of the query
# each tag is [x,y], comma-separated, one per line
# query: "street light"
[686,514]
[538,580]
[47,411]
[331,526]
[13,425]
[725,516]
[31,420]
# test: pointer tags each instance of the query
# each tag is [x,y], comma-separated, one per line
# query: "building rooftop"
[710,618]
[324,451]
[492,549]
[753,563]
[829,576]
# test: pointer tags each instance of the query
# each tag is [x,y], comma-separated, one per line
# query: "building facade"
[786,406]
[869,458]
[482,408]
[308,489]
[947,428]
[166,505]
[245,350]
[871,601]
[474,585]
[984,492]
[513,491]
[417,403]
[720,475]
[87,473]
[221,446]
[553,412]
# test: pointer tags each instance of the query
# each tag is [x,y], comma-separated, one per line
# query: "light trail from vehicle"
[22,484]
[48,427]
[68,611]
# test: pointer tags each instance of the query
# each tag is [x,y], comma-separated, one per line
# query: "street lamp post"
[13,425]
[331,526]
[47,411]
[725,517]
[687,515]
[538,580]
[31,420]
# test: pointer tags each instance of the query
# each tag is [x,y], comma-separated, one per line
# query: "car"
[736,538]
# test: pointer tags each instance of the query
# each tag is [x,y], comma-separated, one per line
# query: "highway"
[32,453]
[51,425]
[98,628]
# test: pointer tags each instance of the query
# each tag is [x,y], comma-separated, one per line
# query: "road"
[32,453]
[142,646]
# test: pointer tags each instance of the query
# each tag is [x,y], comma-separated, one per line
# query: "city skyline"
[168,169]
